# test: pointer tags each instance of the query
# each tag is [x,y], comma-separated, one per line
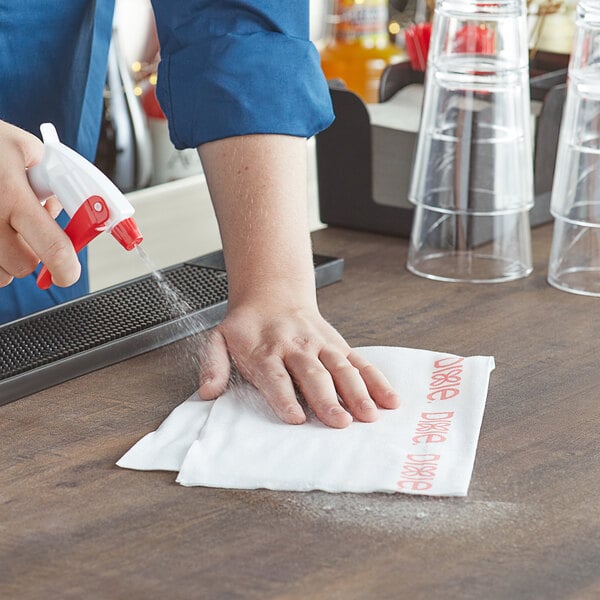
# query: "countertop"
[73,525]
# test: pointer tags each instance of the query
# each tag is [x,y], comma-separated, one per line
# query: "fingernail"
[393,397]
[367,405]
[341,418]
[296,414]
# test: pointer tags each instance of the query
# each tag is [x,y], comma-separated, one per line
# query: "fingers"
[18,259]
[349,385]
[323,380]
[53,207]
[273,381]
[215,366]
[334,376]
[44,236]
[5,278]
[377,384]
[318,388]
[270,377]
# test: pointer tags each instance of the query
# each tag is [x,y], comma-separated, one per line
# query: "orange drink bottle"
[359,48]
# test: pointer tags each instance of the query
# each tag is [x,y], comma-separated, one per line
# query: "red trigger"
[87,223]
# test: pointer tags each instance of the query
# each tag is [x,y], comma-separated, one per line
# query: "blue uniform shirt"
[228,67]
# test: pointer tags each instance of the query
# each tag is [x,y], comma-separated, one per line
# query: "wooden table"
[72,525]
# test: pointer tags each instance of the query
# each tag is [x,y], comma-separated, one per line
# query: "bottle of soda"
[359,47]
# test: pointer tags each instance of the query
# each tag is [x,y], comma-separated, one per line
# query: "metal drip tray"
[103,328]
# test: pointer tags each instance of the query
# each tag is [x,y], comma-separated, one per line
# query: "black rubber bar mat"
[109,326]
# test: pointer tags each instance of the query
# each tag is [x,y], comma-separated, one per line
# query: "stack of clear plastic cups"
[472,179]
[574,264]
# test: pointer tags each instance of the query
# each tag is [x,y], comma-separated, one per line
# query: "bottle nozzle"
[127,233]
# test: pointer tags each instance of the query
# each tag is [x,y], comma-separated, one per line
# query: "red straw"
[471,39]
[416,39]
[474,39]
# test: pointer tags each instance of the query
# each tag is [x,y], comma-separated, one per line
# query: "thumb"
[215,366]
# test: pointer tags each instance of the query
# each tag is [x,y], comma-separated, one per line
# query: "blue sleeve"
[235,67]
[53,58]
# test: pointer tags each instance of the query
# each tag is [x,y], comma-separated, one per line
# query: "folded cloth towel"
[427,446]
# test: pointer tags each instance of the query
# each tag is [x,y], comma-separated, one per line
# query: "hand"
[276,350]
[273,331]
[28,232]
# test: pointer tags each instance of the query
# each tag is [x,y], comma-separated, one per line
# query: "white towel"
[427,446]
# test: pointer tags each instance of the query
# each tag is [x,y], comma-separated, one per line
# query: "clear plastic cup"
[473,167]
[457,246]
[574,263]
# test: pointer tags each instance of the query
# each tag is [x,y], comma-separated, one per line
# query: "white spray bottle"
[92,201]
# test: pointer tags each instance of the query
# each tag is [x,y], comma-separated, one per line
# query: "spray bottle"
[92,201]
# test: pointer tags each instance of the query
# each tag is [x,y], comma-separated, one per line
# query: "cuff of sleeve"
[243,84]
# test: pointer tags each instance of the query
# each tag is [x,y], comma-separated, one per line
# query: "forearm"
[258,187]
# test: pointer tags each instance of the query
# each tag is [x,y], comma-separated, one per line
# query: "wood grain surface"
[72,525]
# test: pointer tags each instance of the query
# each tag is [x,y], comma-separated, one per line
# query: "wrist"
[273,292]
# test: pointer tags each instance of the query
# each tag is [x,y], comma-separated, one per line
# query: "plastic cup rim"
[473,213]
[554,281]
[574,222]
[525,271]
